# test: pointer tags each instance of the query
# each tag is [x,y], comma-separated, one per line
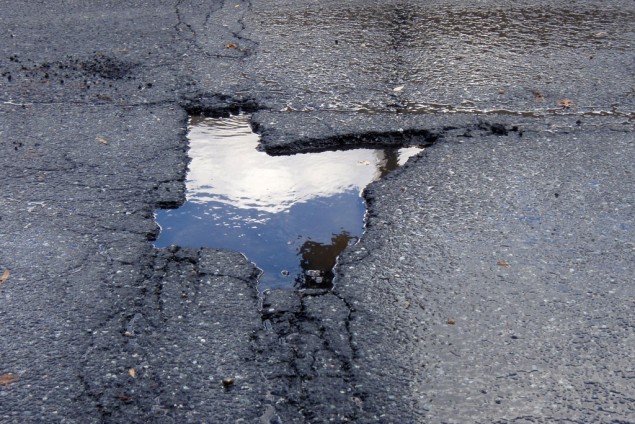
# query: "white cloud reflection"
[227,168]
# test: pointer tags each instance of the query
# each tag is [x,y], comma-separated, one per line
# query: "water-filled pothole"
[290,215]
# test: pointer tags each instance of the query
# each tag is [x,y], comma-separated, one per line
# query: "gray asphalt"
[494,282]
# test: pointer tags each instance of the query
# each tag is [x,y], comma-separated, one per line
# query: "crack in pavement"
[236,42]
[306,354]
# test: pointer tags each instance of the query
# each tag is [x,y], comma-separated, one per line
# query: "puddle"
[290,215]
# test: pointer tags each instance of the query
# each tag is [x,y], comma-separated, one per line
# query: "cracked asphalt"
[495,280]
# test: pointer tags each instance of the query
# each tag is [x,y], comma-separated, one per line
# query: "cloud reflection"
[227,168]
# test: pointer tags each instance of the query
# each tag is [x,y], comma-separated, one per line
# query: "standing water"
[290,215]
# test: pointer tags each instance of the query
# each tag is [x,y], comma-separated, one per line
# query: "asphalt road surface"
[494,283]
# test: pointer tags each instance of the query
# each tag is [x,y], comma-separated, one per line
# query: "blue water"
[290,215]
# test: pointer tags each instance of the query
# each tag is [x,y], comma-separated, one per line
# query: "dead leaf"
[565,103]
[102,140]
[503,263]
[451,322]
[538,96]
[5,276]
[228,381]
[6,379]
[132,373]
[231,46]
[124,397]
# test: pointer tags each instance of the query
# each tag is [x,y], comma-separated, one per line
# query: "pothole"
[290,215]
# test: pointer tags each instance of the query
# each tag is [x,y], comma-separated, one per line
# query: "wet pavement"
[494,282]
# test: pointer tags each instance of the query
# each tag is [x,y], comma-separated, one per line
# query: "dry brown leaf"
[102,140]
[132,373]
[503,263]
[565,103]
[231,46]
[6,379]
[5,276]
[451,322]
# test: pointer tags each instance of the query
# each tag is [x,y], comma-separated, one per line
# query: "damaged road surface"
[494,282]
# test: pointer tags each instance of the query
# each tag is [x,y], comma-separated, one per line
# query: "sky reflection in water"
[291,215]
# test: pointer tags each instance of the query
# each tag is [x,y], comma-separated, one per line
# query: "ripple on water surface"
[291,215]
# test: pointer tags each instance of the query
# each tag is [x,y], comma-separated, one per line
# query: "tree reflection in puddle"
[291,215]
